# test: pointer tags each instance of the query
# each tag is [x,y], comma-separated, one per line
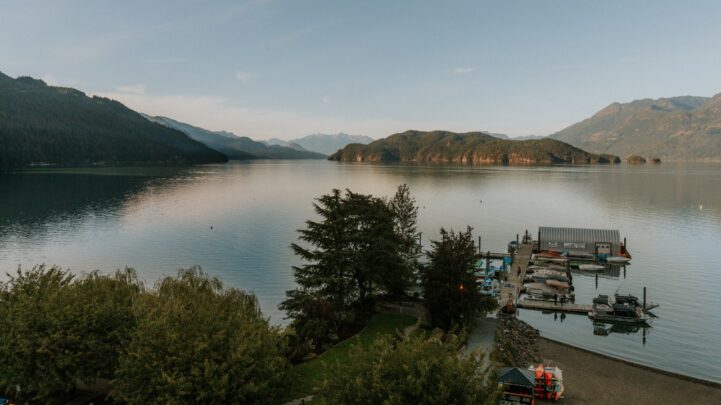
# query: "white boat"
[617,259]
[591,267]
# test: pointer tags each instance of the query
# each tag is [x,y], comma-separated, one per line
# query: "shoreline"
[697,380]
[592,377]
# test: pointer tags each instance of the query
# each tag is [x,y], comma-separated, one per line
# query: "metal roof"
[587,235]
[517,376]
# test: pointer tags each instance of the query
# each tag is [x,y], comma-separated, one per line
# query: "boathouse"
[595,241]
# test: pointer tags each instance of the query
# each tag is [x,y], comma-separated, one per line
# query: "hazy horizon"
[279,69]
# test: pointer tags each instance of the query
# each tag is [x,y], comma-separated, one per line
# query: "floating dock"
[556,307]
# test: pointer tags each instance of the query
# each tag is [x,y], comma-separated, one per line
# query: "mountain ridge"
[234,146]
[684,128]
[323,143]
[48,125]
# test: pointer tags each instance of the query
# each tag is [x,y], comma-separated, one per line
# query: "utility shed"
[595,241]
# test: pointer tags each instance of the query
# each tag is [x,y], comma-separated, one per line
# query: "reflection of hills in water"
[33,200]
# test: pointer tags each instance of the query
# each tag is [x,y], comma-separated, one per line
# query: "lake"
[238,220]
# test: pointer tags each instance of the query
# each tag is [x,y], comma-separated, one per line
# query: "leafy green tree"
[56,329]
[451,294]
[197,342]
[405,215]
[414,371]
[350,254]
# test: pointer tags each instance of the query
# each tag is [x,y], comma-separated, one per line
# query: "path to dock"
[511,288]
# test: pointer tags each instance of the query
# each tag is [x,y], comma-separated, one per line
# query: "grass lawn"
[306,376]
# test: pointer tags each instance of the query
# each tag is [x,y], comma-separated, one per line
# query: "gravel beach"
[595,379]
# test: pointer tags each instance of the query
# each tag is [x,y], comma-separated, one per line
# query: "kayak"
[617,259]
[591,267]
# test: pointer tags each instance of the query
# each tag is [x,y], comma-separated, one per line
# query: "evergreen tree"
[405,214]
[451,294]
[350,254]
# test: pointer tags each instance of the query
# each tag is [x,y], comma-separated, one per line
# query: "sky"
[288,68]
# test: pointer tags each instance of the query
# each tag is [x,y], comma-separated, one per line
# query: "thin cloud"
[462,70]
[218,113]
[325,99]
[132,88]
[243,76]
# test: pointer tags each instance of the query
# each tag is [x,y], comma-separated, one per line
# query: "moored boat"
[617,259]
[591,267]
[618,311]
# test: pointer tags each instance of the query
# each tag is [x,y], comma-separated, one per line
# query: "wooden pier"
[511,288]
[556,307]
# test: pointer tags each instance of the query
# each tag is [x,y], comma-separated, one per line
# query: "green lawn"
[306,376]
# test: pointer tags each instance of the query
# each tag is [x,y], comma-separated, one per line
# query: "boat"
[585,256]
[617,259]
[543,275]
[618,311]
[591,267]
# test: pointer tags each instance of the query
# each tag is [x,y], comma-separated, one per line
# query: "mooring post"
[479,244]
[644,298]
[516,241]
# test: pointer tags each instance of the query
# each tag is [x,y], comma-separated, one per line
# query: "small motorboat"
[591,267]
[617,259]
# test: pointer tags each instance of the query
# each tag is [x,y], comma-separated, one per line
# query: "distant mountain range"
[41,124]
[236,147]
[678,128]
[468,148]
[322,143]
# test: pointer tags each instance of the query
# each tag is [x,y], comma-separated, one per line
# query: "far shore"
[591,378]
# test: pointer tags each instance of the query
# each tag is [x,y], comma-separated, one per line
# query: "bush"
[414,371]
[56,330]
[196,342]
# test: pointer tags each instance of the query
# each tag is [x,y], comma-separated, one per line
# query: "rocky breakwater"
[516,342]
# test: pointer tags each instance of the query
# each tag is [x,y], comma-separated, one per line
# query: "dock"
[556,307]
[511,288]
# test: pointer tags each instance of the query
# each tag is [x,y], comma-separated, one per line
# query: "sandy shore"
[594,379]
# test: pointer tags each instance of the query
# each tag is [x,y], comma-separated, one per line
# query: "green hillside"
[237,147]
[63,126]
[679,128]
[468,148]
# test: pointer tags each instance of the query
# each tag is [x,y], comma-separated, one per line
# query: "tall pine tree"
[351,254]
[451,294]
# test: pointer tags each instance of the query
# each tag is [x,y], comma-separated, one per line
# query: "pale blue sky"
[289,68]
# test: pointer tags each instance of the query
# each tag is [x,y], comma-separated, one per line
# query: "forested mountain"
[236,147]
[63,126]
[322,143]
[678,128]
[470,148]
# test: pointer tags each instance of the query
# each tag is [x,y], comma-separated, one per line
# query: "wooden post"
[488,261]
[479,244]
[644,298]
[516,241]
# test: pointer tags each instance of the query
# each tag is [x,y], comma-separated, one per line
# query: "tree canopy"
[451,294]
[351,253]
[418,370]
[189,339]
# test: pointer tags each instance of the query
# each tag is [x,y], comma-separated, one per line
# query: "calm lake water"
[157,220]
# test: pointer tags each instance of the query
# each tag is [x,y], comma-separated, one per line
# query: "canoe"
[617,259]
[591,267]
